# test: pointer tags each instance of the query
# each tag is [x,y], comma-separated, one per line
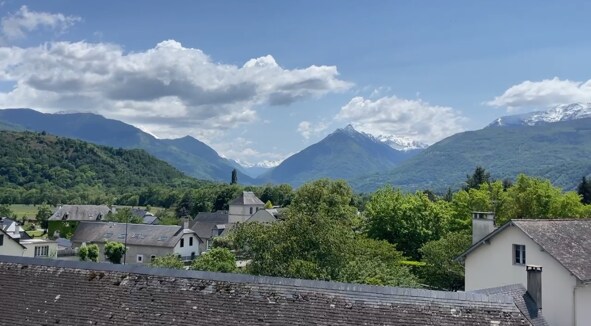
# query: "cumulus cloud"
[542,94]
[308,129]
[171,90]
[17,25]
[391,115]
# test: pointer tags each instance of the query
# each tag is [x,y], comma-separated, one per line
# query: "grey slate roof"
[205,222]
[137,234]
[247,198]
[522,299]
[44,292]
[80,213]
[567,240]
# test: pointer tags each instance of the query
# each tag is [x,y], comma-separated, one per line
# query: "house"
[147,217]
[66,218]
[562,249]
[13,228]
[244,208]
[144,242]
[44,292]
[42,248]
[10,246]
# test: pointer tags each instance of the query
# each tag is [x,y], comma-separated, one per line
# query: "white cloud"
[242,150]
[170,90]
[17,25]
[308,129]
[391,115]
[543,94]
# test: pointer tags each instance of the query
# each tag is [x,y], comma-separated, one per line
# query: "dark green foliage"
[441,271]
[89,252]
[557,151]
[584,190]
[37,169]
[215,260]
[5,211]
[43,213]
[480,176]
[168,261]
[124,215]
[187,154]
[65,228]
[114,251]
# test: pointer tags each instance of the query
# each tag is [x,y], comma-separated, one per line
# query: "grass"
[35,234]
[22,210]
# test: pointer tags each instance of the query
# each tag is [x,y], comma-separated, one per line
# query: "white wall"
[30,244]
[583,307]
[10,247]
[187,249]
[492,265]
[240,213]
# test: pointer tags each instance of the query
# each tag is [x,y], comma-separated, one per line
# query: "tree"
[324,197]
[215,260]
[268,204]
[584,190]
[124,215]
[234,177]
[479,177]
[168,261]
[114,251]
[89,252]
[407,220]
[441,271]
[43,214]
[5,211]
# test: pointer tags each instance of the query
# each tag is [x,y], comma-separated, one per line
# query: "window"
[140,258]
[251,209]
[190,241]
[182,242]
[41,251]
[1,239]
[152,258]
[208,245]
[518,254]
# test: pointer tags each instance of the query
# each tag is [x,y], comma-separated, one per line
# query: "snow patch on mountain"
[267,164]
[564,112]
[400,143]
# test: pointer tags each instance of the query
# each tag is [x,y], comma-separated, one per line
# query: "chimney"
[534,284]
[483,223]
[186,223]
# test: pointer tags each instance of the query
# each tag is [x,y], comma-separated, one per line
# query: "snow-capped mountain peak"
[564,112]
[401,143]
[267,164]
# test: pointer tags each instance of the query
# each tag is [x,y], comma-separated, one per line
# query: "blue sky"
[259,80]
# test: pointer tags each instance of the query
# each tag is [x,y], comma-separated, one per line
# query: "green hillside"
[37,162]
[558,151]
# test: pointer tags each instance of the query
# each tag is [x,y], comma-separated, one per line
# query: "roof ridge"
[262,280]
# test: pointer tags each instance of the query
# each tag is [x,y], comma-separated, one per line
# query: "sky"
[260,80]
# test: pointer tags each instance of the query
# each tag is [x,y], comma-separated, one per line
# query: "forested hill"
[38,161]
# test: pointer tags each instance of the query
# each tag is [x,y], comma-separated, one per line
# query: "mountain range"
[553,144]
[344,154]
[187,154]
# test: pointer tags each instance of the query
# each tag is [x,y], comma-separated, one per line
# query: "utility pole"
[125,245]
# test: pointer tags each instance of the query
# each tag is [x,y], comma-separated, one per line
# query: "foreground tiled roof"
[44,292]
[522,300]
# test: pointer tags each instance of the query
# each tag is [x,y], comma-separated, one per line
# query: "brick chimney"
[483,223]
[534,284]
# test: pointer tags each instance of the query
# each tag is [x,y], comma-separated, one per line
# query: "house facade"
[144,242]
[243,207]
[65,219]
[10,246]
[562,248]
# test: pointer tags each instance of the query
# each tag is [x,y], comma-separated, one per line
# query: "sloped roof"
[80,212]
[522,299]
[567,240]
[44,291]
[9,238]
[137,234]
[263,216]
[246,198]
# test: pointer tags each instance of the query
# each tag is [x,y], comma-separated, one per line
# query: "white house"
[144,241]
[10,246]
[561,247]
[243,207]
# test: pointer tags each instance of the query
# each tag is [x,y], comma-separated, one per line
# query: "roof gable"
[132,295]
[566,240]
